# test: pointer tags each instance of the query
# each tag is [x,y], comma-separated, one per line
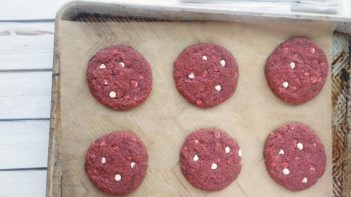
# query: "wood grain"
[26,46]
[25,95]
[166,115]
[22,183]
[24,144]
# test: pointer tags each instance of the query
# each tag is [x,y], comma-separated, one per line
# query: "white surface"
[22,183]
[25,94]
[43,9]
[26,52]
[23,144]
[26,45]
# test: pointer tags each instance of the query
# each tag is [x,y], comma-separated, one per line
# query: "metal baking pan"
[119,12]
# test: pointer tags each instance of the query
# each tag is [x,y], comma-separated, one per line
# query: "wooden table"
[26,53]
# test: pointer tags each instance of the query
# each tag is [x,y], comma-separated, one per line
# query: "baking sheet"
[165,119]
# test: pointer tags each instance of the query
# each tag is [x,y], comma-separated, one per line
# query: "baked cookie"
[210,159]
[297,70]
[294,156]
[206,74]
[119,77]
[116,163]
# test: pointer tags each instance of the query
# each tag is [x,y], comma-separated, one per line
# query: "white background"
[26,53]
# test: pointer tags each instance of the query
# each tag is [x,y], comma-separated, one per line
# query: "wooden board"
[24,144]
[25,95]
[26,46]
[26,61]
[66,164]
[22,183]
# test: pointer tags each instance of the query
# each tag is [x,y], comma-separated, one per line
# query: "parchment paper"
[166,118]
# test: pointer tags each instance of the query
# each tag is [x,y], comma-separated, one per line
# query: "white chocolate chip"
[102,66]
[204,57]
[218,87]
[118,177]
[313,50]
[222,63]
[191,76]
[214,166]
[122,64]
[285,84]
[286,171]
[112,94]
[281,152]
[299,146]
[240,153]
[304,180]
[292,65]
[227,149]
[103,160]
[132,164]
[196,158]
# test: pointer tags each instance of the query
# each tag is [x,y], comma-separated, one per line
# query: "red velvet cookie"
[206,74]
[210,159]
[294,156]
[116,163]
[119,77]
[297,70]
